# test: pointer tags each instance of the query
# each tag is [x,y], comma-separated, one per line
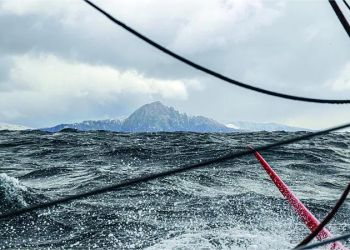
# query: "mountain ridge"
[156,117]
[151,117]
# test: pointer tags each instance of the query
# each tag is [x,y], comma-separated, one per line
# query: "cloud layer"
[63,61]
[52,86]
[342,81]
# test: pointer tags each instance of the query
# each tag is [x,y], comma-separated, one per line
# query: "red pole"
[306,216]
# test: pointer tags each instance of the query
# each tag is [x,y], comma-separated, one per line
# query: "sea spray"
[11,193]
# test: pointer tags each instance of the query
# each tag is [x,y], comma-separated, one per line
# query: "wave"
[12,193]
[45,172]
[230,205]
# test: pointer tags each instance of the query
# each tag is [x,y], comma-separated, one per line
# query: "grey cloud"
[298,52]
[40,34]
[5,66]
[275,51]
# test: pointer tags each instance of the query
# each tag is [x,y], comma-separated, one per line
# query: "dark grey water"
[232,205]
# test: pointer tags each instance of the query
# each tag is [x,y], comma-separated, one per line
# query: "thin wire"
[340,16]
[143,179]
[324,242]
[327,219]
[346,3]
[211,72]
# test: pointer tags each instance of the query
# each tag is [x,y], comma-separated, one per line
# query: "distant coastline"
[157,117]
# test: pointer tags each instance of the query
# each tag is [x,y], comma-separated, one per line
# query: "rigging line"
[143,179]
[340,16]
[346,3]
[327,219]
[325,242]
[211,72]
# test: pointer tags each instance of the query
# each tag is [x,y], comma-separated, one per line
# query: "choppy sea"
[231,205]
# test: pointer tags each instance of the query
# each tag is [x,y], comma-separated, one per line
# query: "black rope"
[327,219]
[211,72]
[182,169]
[346,3]
[340,16]
[324,242]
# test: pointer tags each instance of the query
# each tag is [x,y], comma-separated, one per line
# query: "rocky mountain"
[158,117]
[155,117]
[254,127]
[152,117]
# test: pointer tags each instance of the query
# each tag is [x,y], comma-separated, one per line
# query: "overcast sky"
[61,61]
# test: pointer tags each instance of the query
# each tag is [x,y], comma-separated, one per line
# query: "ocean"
[231,205]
